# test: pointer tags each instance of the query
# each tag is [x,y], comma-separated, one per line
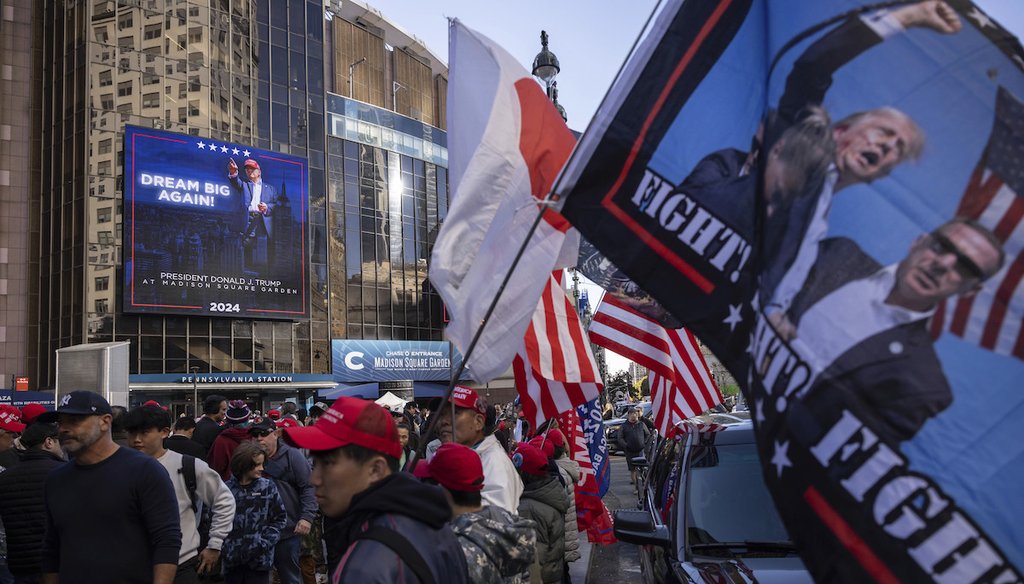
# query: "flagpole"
[410,463]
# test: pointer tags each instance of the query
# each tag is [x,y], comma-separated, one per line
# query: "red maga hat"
[546,446]
[457,468]
[288,423]
[464,397]
[9,419]
[530,460]
[250,163]
[30,412]
[350,421]
[274,414]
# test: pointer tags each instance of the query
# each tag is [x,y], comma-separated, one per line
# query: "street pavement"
[619,562]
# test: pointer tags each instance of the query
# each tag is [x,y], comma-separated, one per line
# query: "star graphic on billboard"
[245,153]
[224,149]
[234,151]
[202,145]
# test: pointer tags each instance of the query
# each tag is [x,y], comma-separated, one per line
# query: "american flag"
[555,370]
[681,385]
[992,318]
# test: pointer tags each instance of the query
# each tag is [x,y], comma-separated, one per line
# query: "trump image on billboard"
[214,228]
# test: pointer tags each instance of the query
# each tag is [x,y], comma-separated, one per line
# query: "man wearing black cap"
[112,515]
[22,507]
[388,527]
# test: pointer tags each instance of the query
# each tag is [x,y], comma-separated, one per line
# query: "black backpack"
[205,518]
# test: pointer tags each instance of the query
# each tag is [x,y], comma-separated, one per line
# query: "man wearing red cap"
[388,526]
[257,203]
[498,546]
[471,427]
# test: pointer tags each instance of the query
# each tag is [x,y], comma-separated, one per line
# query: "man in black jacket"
[387,526]
[22,507]
[215,407]
[632,437]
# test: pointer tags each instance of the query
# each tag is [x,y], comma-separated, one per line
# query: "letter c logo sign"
[350,361]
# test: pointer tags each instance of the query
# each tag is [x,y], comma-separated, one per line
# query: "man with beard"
[388,527]
[111,515]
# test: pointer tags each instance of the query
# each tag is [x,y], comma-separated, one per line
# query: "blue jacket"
[418,512]
[259,519]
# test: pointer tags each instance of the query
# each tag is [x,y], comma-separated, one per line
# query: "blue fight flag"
[798,184]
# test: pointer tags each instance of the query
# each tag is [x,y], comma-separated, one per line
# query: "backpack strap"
[404,548]
[188,471]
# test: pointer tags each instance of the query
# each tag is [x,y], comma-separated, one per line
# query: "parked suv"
[707,515]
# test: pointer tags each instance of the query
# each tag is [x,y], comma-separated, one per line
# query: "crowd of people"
[350,492]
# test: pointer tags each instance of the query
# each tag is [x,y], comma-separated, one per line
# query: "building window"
[151,100]
[152,31]
[107,101]
[105,146]
[103,215]
[106,237]
[102,305]
[103,168]
[106,78]
[102,283]
[124,89]
[124,21]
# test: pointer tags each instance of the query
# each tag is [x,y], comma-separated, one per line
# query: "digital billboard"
[213,228]
[358,360]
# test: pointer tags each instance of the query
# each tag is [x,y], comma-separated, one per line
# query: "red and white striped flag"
[506,144]
[993,317]
[681,385]
[555,370]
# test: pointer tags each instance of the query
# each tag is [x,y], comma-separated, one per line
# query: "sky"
[590,38]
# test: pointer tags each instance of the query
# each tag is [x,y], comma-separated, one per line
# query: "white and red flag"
[681,385]
[555,370]
[506,144]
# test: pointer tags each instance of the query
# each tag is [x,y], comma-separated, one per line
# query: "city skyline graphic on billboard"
[213,228]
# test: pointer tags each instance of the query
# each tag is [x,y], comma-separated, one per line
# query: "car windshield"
[728,508]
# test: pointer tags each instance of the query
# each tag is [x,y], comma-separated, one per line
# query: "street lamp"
[351,69]
[546,68]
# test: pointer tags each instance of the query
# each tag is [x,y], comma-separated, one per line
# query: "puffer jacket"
[259,519]
[570,471]
[403,504]
[499,546]
[544,501]
[23,509]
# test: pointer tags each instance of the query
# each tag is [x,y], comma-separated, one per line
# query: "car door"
[660,493]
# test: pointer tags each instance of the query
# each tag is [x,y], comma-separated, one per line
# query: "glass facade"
[240,71]
[385,210]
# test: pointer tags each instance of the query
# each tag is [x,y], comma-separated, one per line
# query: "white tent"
[390,401]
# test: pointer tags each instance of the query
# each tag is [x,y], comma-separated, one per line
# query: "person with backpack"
[288,468]
[196,485]
[386,525]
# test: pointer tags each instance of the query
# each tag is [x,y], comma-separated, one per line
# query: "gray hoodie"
[499,546]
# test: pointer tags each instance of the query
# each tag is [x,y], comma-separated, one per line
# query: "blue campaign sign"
[830,195]
[357,360]
[214,228]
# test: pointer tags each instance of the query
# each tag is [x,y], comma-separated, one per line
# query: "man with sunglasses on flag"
[862,329]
